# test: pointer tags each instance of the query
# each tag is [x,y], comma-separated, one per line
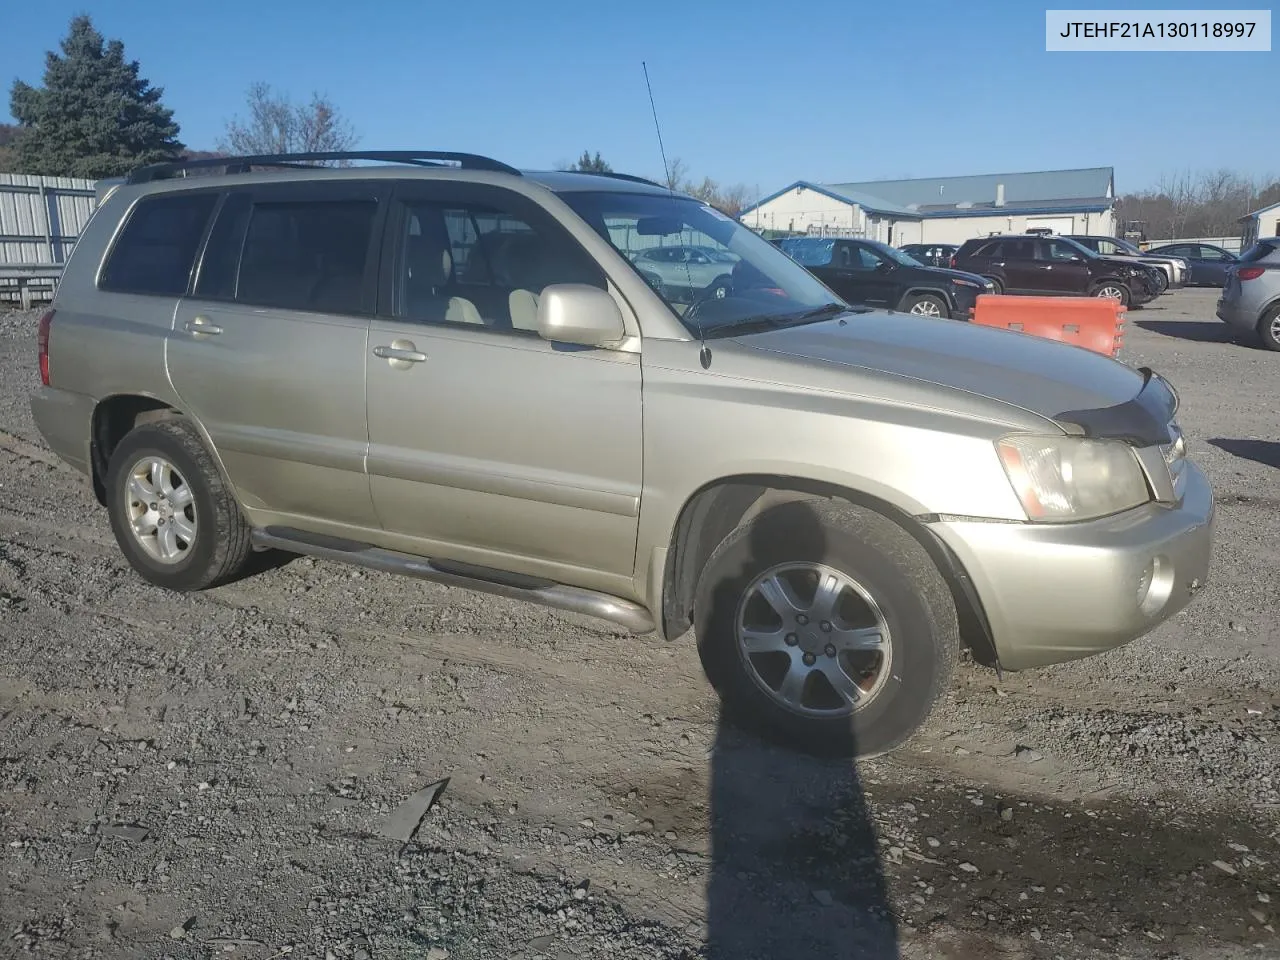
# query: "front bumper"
[1058,592]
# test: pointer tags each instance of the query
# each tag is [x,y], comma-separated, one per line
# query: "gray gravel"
[213,774]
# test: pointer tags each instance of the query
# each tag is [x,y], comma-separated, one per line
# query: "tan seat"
[429,271]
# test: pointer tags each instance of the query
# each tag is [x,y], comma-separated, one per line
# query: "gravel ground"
[191,776]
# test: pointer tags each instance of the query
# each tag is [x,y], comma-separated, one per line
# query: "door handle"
[403,351]
[202,327]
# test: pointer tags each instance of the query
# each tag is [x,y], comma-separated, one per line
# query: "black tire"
[996,286]
[221,548]
[896,572]
[932,299]
[1269,328]
[1119,285]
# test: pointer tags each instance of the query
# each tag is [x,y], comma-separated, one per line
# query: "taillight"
[1250,273]
[42,338]
[952,262]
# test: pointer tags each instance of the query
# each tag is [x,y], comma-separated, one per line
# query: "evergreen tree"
[95,116]
[589,164]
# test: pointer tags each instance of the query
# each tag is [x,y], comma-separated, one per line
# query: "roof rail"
[420,158]
[622,176]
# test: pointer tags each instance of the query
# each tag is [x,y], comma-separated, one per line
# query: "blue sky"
[747,92]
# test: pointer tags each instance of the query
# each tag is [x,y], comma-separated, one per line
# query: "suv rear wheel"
[173,517]
[1269,328]
[826,624]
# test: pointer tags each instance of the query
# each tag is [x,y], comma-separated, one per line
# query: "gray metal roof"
[1034,188]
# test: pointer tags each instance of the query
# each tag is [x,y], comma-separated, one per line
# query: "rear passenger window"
[307,255]
[157,248]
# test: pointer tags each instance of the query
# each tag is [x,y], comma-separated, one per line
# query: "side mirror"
[886,266]
[580,314]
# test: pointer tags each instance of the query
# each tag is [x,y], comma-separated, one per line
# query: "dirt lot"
[211,775]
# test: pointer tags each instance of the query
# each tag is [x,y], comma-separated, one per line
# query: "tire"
[1269,328]
[997,286]
[1121,291]
[926,304]
[914,605]
[218,550]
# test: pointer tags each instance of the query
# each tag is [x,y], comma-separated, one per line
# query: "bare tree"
[277,125]
[1208,204]
[676,170]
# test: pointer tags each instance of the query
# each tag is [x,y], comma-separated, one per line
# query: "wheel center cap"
[811,642]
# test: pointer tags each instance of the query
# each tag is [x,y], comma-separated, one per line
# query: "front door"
[862,276]
[488,444]
[1062,268]
[269,351]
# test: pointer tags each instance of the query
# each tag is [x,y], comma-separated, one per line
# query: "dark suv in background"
[931,254]
[1056,267]
[878,275]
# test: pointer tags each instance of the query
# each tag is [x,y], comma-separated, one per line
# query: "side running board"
[546,593]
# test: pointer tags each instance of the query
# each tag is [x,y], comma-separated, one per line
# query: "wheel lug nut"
[809,659]
[802,620]
[826,626]
[830,651]
[155,506]
[791,639]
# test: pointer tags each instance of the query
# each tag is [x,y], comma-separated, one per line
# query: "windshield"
[893,253]
[715,274]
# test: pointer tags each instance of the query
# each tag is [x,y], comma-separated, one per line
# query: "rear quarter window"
[1259,251]
[156,250]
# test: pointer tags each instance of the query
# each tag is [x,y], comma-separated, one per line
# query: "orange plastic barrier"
[1095,323]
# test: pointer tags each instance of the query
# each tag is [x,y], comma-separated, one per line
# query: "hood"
[1127,262]
[1054,380]
[945,273]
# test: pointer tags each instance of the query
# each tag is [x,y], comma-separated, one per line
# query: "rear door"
[269,350]
[1023,272]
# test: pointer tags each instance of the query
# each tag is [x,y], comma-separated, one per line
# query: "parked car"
[931,254]
[1208,264]
[1055,266]
[291,359]
[875,274]
[686,272]
[1250,300]
[1174,268]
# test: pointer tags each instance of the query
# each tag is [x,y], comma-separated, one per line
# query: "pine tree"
[95,116]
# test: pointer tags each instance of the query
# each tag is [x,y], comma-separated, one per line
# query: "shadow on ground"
[1266,452]
[1201,331]
[795,860]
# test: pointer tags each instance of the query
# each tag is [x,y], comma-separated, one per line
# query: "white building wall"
[960,229]
[801,208]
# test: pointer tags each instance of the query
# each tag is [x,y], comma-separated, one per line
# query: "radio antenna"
[704,354]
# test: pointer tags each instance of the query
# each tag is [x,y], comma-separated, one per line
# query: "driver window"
[867,259]
[1058,250]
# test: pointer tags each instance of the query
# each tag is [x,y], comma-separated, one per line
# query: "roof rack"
[420,158]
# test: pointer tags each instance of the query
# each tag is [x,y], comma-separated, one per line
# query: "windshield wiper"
[776,321]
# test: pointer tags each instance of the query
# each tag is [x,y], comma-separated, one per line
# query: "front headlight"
[967,283]
[1061,479]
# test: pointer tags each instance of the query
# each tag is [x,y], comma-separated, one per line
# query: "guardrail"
[29,283]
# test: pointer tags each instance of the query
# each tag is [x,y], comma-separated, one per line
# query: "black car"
[1057,267]
[931,254]
[878,275]
[1208,264]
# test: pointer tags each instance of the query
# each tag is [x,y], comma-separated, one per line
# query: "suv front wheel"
[1113,290]
[172,515]
[828,625]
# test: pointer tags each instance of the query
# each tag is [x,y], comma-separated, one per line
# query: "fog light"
[1155,586]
